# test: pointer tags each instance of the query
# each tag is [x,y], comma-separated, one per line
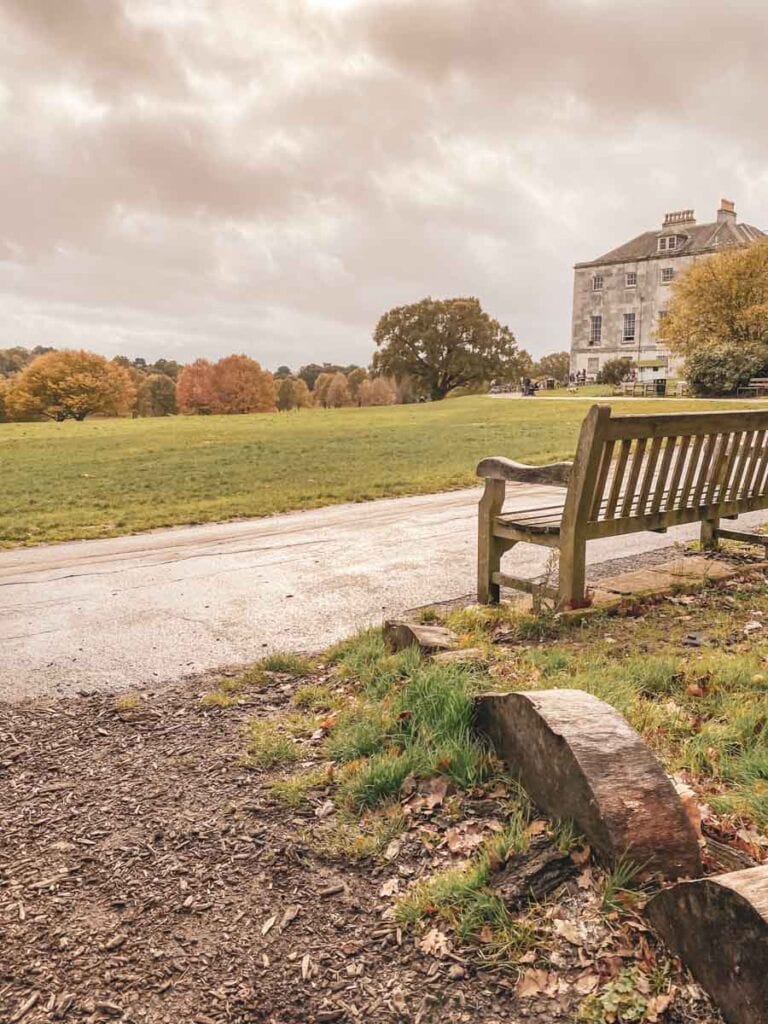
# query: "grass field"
[61,481]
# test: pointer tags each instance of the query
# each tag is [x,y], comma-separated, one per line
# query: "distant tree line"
[424,352]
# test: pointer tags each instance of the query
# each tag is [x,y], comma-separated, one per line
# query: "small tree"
[444,344]
[4,387]
[322,383]
[614,371]
[70,384]
[383,391]
[354,379]
[556,365]
[293,393]
[338,394]
[720,370]
[156,396]
[195,392]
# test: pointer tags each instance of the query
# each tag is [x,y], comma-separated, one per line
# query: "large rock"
[719,928]
[580,760]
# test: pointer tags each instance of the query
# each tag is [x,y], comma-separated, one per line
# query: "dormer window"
[667,243]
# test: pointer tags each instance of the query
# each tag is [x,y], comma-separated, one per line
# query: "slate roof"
[700,238]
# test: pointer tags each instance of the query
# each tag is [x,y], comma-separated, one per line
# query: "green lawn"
[99,478]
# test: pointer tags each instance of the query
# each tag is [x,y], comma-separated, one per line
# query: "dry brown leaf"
[581,854]
[435,943]
[568,931]
[464,838]
[268,924]
[390,887]
[392,850]
[586,982]
[532,982]
[657,1005]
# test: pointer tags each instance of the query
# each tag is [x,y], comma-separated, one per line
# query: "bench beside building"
[619,299]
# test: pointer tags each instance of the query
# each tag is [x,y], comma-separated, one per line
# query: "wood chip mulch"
[146,876]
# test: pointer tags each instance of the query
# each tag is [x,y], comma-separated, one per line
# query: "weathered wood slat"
[609,509]
[660,490]
[682,451]
[634,474]
[693,424]
[602,476]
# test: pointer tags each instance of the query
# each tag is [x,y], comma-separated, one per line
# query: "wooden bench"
[630,473]
[757,386]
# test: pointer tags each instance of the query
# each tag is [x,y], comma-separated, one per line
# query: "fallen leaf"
[290,914]
[268,924]
[390,887]
[581,854]
[325,810]
[464,838]
[568,931]
[435,943]
[532,982]
[305,966]
[656,1005]
[392,850]
[586,982]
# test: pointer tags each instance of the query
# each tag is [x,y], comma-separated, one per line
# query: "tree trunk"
[718,926]
[579,760]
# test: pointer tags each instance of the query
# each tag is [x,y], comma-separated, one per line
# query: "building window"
[667,243]
[597,283]
[667,273]
[629,327]
[593,365]
[630,279]
[595,330]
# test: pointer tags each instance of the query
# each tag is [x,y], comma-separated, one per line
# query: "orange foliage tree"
[241,385]
[195,388]
[235,384]
[70,384]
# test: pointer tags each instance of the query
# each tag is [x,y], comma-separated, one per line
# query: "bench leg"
[489,548]
[709,540]
[573,573]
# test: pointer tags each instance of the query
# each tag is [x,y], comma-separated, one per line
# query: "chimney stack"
[727,212]
[678,219]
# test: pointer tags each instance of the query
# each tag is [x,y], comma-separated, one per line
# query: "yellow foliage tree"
[720,301]
[70,384]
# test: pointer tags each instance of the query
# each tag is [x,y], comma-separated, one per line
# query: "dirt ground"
[146,875]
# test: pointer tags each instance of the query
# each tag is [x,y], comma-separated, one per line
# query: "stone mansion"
[619,299]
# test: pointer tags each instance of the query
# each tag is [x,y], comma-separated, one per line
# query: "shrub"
[720,370]
[615,371]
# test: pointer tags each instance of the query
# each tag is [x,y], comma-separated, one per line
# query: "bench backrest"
[636,473]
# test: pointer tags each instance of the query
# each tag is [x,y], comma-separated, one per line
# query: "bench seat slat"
[679,424]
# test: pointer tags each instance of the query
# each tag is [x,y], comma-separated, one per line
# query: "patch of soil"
[147,876]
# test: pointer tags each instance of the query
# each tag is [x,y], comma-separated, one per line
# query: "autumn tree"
[320,390]
[156,395]
[13,360]
[195,388]
[444,344]
[293,393]
[720,301]
[338,394]
[240,386]
[556,365]
[378,391]
[354,379]
[70,384]
[4,387]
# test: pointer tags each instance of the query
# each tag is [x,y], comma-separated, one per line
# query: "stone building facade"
[619,299]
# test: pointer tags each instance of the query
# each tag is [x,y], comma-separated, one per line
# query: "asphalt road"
[149,609]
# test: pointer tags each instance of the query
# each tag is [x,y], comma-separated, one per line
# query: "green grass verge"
[101,478]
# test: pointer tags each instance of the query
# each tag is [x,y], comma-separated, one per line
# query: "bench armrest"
[499,468]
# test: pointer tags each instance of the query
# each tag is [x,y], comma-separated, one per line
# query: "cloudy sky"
[194,177]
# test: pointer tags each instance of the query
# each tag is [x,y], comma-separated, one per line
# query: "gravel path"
[157,607]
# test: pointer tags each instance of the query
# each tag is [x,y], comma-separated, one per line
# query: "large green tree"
[443,344]
[555,364]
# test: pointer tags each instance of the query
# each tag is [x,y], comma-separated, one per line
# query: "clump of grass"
[268,746]
[293,789]
[428,616]
[356,838]
[461,897]
[127,702]
[617,891]
[230,689]
[652,675]
[290,664]
[219,699]
[550,661]
[316,697]
[423,727]
[366,659]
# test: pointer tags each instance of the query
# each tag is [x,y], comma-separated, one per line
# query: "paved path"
[148,609]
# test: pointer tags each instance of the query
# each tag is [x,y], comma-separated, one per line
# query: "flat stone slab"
[641,581]
[698,567]
[719,928]
[579,759]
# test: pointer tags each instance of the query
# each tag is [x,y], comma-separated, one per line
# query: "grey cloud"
[202,176]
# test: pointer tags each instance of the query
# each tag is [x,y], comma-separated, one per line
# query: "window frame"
[629,318]
[597,282]
[633,282]
[595,329]
[667,275]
